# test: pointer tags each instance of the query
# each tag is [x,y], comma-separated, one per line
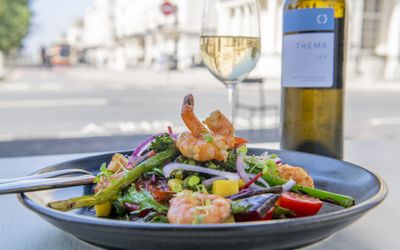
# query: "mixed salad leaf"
[201,176]
[133,201]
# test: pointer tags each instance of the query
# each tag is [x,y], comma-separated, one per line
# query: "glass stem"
[232,102]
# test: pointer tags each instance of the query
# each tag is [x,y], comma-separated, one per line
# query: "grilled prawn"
[198,208]
[201,143]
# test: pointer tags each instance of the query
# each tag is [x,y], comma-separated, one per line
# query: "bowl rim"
[311,221]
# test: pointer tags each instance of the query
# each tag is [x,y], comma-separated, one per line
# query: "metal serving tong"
[48,180]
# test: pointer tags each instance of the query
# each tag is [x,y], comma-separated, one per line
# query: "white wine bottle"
[313,74]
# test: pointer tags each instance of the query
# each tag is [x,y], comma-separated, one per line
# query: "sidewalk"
[18,148]
[201,78]
[198,78]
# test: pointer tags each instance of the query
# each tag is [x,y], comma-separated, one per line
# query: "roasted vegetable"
[302,205]
[231,219]
[338,199]
[255,205]
[282,213]
[118,163]
[225,187]
[103,210]
[251,192]
[111,191]
[141,200]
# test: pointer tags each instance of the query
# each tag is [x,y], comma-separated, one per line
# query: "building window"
[371,24]
[263,4]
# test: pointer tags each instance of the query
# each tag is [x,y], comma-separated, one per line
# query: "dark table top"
[22,229]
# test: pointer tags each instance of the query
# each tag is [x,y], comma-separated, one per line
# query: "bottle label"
[308,48]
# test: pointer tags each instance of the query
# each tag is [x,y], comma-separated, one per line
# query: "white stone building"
[123,34]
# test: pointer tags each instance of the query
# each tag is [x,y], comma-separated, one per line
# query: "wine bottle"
[313,74]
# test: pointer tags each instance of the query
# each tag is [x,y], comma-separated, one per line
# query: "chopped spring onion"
[193,180]
[208,138]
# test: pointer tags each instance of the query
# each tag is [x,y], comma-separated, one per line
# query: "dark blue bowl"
[329,174]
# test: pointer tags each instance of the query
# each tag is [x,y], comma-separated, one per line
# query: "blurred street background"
[86,73]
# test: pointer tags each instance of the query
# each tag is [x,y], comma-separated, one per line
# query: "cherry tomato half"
[161,195]
[302,205]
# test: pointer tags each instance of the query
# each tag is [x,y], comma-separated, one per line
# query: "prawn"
[298,174]
[117,165]
[203,144]
[198,208]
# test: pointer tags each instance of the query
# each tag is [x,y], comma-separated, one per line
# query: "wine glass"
[230,42]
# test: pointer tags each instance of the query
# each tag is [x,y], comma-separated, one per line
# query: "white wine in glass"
[230,42]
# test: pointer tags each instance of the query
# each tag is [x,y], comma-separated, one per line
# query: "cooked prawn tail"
[189,118]
[188,103]
[240,141]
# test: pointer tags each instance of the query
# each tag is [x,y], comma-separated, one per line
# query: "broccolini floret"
[162,143]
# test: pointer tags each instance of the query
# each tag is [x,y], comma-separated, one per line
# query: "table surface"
[22,229]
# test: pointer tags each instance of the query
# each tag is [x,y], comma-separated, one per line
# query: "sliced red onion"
[210,181]
[146,143]
[143,144]
[242,172]
[240,168]
[168,169]
[288,185]
[261,180]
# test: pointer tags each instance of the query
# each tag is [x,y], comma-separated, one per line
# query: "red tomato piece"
[302,205]
[161,195]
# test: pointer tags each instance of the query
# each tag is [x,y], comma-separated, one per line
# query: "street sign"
[168,8]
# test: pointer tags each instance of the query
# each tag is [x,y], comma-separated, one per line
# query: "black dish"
[333,175]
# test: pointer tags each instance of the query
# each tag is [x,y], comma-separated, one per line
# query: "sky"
[50,19]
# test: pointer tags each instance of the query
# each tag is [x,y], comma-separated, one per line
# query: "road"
[82,102]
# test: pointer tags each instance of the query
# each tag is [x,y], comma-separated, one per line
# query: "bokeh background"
[91,75]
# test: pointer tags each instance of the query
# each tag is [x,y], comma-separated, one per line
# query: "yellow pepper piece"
[103,210]
[225,187]
[175,185]
[230,219]
[241,183]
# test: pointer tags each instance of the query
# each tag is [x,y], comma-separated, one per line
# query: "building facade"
[122,34]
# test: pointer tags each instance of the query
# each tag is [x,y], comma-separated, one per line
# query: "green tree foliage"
[15,17]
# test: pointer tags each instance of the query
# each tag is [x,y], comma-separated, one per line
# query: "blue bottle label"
[308,48]
[304,20]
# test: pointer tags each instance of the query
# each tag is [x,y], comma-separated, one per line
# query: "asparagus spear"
[111,191]
[337,199]
[282,213]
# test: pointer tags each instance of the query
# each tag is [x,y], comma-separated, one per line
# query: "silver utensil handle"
[43,184]
[46,175]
